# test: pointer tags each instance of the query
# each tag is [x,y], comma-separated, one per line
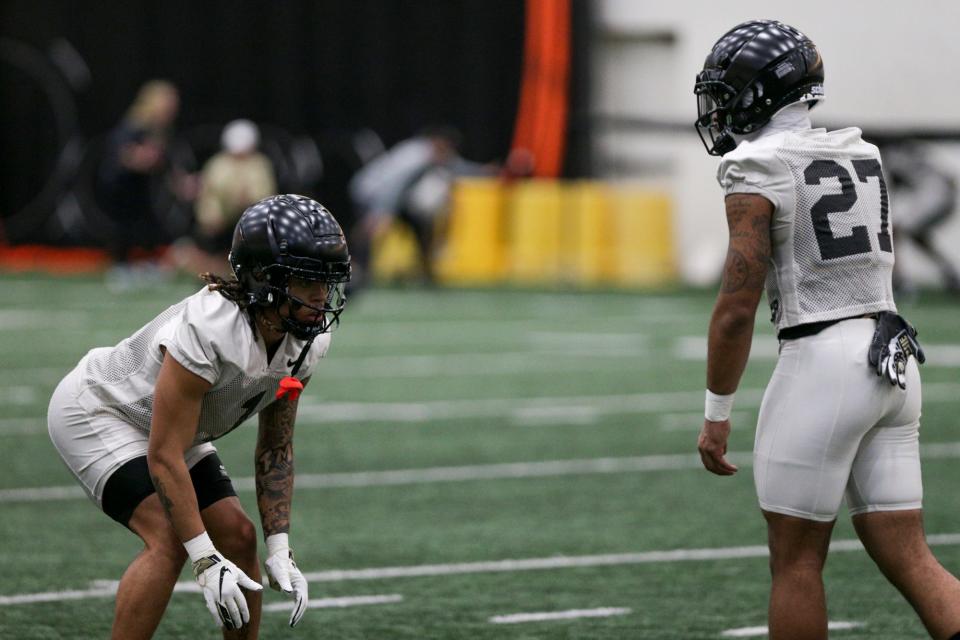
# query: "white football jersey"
[210,336]
[832,245]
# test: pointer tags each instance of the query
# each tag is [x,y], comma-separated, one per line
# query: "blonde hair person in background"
[135,162]
[155,106]
[231,180]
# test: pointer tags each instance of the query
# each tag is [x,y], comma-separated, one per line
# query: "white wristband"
[200,547]
[277,542]
[718,407]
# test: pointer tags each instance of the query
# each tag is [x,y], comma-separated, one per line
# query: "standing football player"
[134,422]
[808,214]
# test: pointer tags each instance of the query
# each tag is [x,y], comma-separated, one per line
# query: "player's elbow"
[733,320]
[162,458]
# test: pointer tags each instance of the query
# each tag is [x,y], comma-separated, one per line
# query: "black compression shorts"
[129,485]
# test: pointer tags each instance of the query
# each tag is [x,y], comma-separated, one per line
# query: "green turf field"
[501,452]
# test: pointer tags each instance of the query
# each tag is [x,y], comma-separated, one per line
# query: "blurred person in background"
[807,212]
[135,157]
[411,182]
[926,196]
[135,422]
[231,180]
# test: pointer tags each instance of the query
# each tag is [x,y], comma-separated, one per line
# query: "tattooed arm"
[274,465]
[731,326]
[176,411]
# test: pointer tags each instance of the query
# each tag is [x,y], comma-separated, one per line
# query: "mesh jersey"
[210,336]
[832,250]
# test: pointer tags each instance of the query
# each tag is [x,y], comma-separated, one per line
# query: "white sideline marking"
[429,475]
[59,596]
[554,416]
[603,612]
[754,632]
[107,588]
[569,562]
[335,603]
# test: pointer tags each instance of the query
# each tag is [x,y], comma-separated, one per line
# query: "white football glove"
[284,576]
[220,580]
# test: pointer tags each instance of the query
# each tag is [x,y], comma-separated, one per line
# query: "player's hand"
[712,445]
[284,576]
[220,580]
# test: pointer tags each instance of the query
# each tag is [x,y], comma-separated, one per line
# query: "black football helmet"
[291,236]
[753,71]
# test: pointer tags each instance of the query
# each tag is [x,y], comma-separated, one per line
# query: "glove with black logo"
[894,341]
[220,580]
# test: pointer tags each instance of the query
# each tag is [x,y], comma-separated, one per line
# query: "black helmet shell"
[288,236]
[753,71]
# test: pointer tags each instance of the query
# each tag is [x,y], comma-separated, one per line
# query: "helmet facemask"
[272,290]
[714,117]
[328,316]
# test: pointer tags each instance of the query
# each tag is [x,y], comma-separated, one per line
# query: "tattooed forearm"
[274,466]
[162,495]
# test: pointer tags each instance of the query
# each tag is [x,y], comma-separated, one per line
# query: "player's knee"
[796,564]
[797,557]
[241,540]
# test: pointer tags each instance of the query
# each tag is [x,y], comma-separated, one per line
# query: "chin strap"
[290,387]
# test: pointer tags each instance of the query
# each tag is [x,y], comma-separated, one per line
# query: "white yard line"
[106,588]
[757,632]
[430,475]
[572,614]
[337,603]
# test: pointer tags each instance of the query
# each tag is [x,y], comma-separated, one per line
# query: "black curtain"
[312,67]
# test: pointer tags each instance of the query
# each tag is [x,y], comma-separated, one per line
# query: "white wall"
[888,64]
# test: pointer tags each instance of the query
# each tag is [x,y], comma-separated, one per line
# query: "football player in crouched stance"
[808,214]
[134,422]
